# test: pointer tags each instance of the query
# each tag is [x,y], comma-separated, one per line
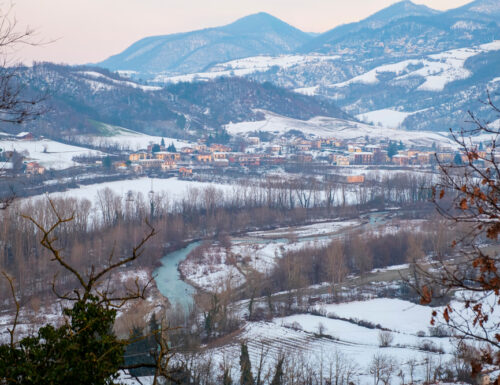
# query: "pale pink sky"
[91,30]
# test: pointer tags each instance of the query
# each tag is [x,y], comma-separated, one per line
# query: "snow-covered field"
[49,153]
[129,139]
[298,338]
[324,127]
[385,117]
[173,189]
[314,230]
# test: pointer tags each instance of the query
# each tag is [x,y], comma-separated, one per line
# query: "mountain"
[483,10]
[253,35]
[81,100]
[387,15]
[406,29]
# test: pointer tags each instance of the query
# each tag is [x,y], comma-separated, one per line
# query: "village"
[244,155]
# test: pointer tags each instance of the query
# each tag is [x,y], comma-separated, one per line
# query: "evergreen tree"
[278,375]
[392,149]
[245,366]
[156,148]
[171,148]
[162,143]
[458,159]
[106,162]
[83,351]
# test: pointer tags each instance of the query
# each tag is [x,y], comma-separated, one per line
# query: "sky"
[88,31]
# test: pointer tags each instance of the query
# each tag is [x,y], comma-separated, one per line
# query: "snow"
[58,155]
[97,86]
[467,25]
[129,139]
[385,117]
[393,314]
[316,229]
[309,91]
[305,351]
[326,127]
[173,188]
[437,70]
[246,66]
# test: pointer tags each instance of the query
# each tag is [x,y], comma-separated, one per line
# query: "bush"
[385,338]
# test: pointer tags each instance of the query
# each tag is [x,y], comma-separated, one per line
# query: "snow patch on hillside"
[437,70]
[385,117]
[98,86]
[325,127]
[246,66]
[48,153]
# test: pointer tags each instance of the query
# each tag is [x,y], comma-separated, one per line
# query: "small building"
[134,157]
[25,136]
[254,140]
[165,155]
[204,158]
[400,160]
[168,165]
[150,163]
[33,168]
[187,150]
[364,157]
[355,178]
[184,171]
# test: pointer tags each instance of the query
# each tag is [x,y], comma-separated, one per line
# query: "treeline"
[114,223]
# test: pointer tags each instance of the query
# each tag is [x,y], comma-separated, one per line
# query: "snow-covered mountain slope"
[322,127]
[248,66]
[433,71]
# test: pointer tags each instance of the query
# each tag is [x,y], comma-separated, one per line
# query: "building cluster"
[254,153]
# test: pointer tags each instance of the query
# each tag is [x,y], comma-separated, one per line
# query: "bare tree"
[469,195]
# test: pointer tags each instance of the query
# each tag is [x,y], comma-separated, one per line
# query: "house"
[134,157]
[150,163]
[165,155]
[184,171]
[362,157]
[33,168]
[254,140]
[249,160]
[187,150]
[215,147]
[204,158]
[341,160]
[219,155]
[355,178]
[168,165]
[400,160]
[25,136]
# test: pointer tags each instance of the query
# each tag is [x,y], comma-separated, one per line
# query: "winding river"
[171,285]
[168,279]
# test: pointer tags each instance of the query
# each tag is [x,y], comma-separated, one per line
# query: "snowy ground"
[218,267]
[128,139]
[324,127]
[173,189]
[385,118]
[297,337]
[49,153]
